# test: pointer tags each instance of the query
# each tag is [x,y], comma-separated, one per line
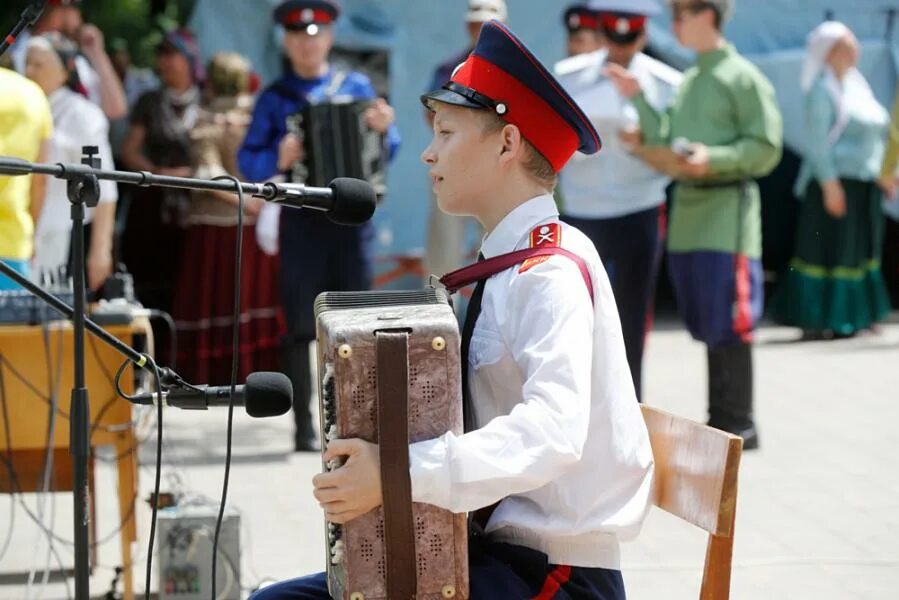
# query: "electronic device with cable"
[185,553]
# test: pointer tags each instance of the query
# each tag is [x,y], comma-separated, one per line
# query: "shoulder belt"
[487,268]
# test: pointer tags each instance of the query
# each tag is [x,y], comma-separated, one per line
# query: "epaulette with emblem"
[542,236]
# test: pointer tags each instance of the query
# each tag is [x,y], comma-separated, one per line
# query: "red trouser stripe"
[554,581]
[743,317]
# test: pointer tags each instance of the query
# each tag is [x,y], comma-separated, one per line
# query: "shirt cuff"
[429,471]
[825,173]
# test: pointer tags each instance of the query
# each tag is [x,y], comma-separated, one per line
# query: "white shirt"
[612,182]
[77,122]
[562,442]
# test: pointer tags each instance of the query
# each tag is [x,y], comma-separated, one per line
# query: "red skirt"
[204,306]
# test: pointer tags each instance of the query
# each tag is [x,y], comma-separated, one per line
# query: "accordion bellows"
[338,143]
[362,339]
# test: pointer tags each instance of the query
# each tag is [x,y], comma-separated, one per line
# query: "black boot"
[730,392]
[296,366]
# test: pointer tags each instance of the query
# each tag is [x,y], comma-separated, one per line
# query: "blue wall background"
[422,33]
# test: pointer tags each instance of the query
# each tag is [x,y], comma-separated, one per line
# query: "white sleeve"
[267,228]
[550,335]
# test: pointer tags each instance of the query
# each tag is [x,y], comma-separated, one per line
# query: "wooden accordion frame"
[390,374]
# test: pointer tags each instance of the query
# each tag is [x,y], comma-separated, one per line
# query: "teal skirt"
[834,283]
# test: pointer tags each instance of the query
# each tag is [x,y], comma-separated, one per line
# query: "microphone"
[265,394]
[347,201]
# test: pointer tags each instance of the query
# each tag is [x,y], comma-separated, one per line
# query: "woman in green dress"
[834,286]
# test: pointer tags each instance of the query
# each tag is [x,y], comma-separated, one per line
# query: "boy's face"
[308,52]
[463,159]
[691,22]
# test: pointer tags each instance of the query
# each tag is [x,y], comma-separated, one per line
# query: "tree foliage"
[137,23]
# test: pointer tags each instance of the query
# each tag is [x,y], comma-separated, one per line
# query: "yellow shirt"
[25,123]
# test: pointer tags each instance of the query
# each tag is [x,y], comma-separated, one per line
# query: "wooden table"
[31,357]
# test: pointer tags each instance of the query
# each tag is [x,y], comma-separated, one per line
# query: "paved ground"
[818,512]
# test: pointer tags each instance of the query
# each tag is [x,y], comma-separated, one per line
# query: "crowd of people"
[695,142]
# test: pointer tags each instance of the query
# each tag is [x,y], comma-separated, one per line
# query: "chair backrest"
[696,479]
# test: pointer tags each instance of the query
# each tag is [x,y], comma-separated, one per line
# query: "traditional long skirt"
[834,282]
[204,306]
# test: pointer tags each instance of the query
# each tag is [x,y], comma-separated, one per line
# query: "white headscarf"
[818,45]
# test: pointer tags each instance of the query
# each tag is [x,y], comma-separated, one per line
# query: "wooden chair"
[696,479]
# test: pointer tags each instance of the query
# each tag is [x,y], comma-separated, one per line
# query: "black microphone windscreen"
[268,394]
[354,201]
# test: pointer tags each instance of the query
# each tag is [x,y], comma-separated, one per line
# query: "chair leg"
[718,562]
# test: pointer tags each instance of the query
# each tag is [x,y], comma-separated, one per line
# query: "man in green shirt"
[726,130]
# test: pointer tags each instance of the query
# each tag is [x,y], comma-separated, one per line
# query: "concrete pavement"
[818,509]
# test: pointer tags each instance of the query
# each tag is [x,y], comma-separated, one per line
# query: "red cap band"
[540,125]
[583,21]
[306,16]
[623,25]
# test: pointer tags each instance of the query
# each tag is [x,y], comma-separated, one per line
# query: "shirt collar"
[515,225]
[707,60]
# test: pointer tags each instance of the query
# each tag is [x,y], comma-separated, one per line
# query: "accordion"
[338,143]
[390,374]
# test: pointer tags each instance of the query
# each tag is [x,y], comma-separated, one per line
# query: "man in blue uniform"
[316,254]
[616,196]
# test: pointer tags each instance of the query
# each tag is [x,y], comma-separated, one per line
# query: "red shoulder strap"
[486,268]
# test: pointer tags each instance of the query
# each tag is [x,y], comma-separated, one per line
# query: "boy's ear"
[512,140]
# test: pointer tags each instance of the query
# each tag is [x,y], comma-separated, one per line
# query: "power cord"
[155,313]
[235,358]
[53,385]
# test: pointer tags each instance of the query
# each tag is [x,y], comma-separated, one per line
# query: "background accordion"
[338,143]
[389,363]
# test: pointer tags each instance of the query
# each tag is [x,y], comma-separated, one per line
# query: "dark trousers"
[630,248]
[316,256]
[497,571]
[720,296]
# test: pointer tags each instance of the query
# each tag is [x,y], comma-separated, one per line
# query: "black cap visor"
[449,97]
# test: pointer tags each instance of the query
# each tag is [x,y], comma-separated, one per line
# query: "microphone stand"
[293,195]
[29,17]
[83,189]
